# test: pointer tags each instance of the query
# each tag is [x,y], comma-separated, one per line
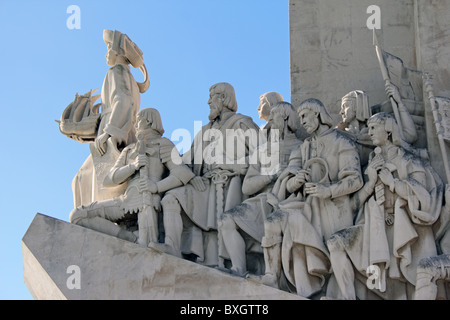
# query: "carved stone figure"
[283,205]
[408,128]
[399,202]
[120,103]
[433,273]
[404,88]
[355,111]
[325,170]
[267,101]
[149,170]
[193,210]
[248,217]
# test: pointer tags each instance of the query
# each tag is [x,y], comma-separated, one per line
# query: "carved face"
[263,108]
[215,104]
[348,112]
[309,120]
[111,56]
[142,122]
[378,133]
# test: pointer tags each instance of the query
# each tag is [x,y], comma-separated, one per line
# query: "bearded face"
[215,104]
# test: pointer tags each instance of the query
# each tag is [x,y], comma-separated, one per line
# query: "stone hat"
[123,45]
[361,100]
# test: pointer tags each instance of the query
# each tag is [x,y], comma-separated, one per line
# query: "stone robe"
[201,207]
[252,212]
[310,221]
[120,105]
[397,245]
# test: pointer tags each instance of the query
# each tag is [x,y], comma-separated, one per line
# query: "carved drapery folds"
[310,212]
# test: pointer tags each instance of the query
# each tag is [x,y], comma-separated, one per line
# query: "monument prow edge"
[65,261]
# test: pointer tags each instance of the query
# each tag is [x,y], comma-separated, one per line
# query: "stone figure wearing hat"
[120,102]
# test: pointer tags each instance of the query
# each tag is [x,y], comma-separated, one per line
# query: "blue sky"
[188,46]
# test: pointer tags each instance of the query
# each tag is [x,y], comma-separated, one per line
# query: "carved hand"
[386,177]
[372,169]
[148,185]
[302,176]
[392,91]
[198,184]
[140,161]
[100,143]
[318,190]
[152,187]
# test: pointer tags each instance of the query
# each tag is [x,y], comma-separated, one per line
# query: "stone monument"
[342,194]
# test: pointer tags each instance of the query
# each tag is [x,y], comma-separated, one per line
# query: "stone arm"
[412,188]
[409,131]
[349,179]
[295,164]
[121,171]
[413,191]
[402,189]
[179,173]
[254,181]
[360,197]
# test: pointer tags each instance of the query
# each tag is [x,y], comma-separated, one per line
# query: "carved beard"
[214,113]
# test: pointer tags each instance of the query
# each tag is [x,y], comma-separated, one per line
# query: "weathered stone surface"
[332,51]
[111,268]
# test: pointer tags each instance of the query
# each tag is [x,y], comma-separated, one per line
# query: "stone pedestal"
[66,261]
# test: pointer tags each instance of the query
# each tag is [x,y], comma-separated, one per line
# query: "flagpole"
[387,80]
[434,107]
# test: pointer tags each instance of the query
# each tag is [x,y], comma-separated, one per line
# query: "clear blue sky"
[188,46]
